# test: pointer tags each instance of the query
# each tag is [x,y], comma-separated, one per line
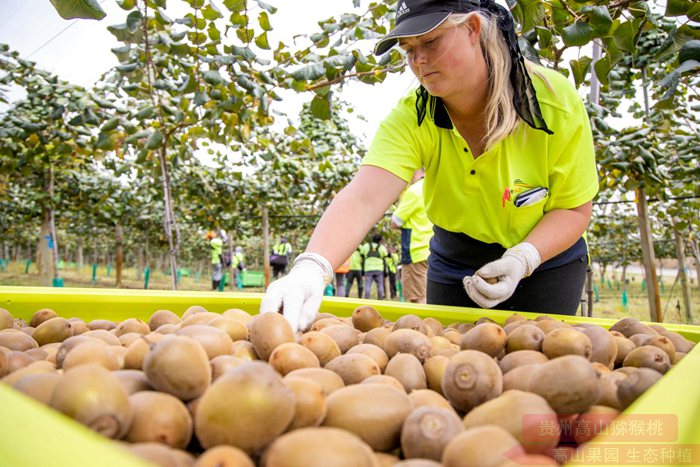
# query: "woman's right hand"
[298,295]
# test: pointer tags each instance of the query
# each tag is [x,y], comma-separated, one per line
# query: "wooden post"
[266,246]
[648,256]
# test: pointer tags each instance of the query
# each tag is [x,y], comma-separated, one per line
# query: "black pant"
[555,291]
[354,275]
[278,270]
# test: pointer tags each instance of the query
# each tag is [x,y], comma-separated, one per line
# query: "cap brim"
[409,27]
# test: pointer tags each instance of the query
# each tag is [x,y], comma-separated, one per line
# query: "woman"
[509,171]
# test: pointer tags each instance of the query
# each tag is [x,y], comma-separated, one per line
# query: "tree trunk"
[648,256]
[266,246]
[81,258]
[118,253]
[696,256]
[169,218]
[685,286]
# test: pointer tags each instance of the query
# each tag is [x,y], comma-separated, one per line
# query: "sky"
[78,51]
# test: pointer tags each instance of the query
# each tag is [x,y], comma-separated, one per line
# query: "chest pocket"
[521,220]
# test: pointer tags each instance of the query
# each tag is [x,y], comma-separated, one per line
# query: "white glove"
[503,275]
[298,294]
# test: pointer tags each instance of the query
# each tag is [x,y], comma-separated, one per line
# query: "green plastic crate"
[252,278]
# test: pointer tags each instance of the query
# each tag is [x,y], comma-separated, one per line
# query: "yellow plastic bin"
[674,400]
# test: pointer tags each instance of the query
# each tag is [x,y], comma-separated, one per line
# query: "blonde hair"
[501,117]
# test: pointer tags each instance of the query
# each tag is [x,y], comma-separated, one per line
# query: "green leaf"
[155,140]
[320,108]
[625,35]
[264,21]
[261,41]
[212,77]
[133,21]
[110,125]
[267,7]
[211,12]
[690,51]
[86,9]
[126,4]
[678,7]
[580,69]
[599,19]
[146,112]
[577,34]
[602,68]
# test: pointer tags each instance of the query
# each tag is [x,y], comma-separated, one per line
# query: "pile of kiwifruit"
[231,389]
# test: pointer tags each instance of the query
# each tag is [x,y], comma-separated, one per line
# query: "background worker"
[280,257]
[216,246]
[356,273]
[340,278]
[238,265]
[374,253]
[509,162]
[416,232]
[392,262]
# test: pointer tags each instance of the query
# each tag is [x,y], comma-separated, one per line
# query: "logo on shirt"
[402,10]
[510,192]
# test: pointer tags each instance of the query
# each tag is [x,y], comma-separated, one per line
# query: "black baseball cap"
[417,17]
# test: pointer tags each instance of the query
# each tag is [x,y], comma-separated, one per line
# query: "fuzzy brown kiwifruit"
[132,325]
[408,370]
[101,324]
[244,350]
[638,339]
[353,368]
[154,453]
[304,448]
[680,343]
[434,324]
[91,352]
[648,356]
[4,361]
[410,341]
[344,335]
[238,314]
[376,336]
[267,331]
[513,319]
[17,360]
[548,325]
[325,322]
[410,321]
[179,366]
[384,379]
[261,410]
[41,366]
[427,430]
[662,342]
[161,317]
[631,326]
[636,383]
[69,344]
[471,378]
[519,377]
[159,417]
[167,329]
[489,338]
[220,364]
[193,310]
[484,446]
[15,339]
[624,347]
[223,456]
[374,412]
[452,335]
[609,383]
[376,353]
[603,346]
[322,345]
[103,335]
[133,380]
[236,330]
[434,368]
[79,326]
[522,414]
[53,330]
[40,316]
[592,422]
[129,338]
[203,318]
[366,318]
[520,358]
[136,354]
[7,321]
[429,398]
[566,341]
[290,356]
[525,337]
[214,341]
[328,380]
[309,402]
[38,386]
[440,344]
[568,383]
[91,395]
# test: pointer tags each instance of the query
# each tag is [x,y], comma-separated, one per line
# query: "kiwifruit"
[662,342]
[638,339]
[408,369]
[680,343]
[220,364]
[417,462]
[161,317]
[154,453]
[603,347]
[410,321]
[136,354]
[38,386]
[549,325]
[483,319]
[322,345]
[91,352]
[37,354]
[635,384]
[91,395]
[310,402]
[133,380]
[304,448]
[7,321]
[434,324]
[439,344]
[17,360]
[213,340]
[103,335]
[327,379]
[513,319]
[204,318]
[267,331]
[68,344]
[520,358]
[429,398]
[366,318]
[531,460]
[566,341]
[52,330]
[568,383]
[261,410]
[343,335]
[244,350]
[384,379]
[41,366]
[376,353]
[376,336]
[624,347]
[471,378]
[508,328]
[238,314]
[41,315]
[434,368]
[15,339]
[235,329]
[179,366]
[464,327]
[129,338]
[290,356]
[132,325]
[489,338]
[223,456]
[101,324]
[522,414]
[79,326]
[119,352]
[324,323]
[193,310]
[354,367]
[28,330]
[167,329]
[427,430]
[525,337]
[50,350]
[159,417]
[678,357]
[4,361]
[625,370]
[406,340]
[483,446]
[592,422]
[648,356]
[374,412]
[631,326]
[452,335]
[519,377]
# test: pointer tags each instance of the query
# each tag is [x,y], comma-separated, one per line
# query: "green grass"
[608,305]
